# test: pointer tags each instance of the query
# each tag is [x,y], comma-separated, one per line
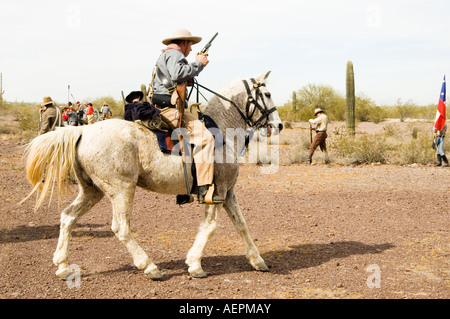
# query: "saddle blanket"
[167,144]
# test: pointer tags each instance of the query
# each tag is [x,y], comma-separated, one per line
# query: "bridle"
[251,100]
[254,100]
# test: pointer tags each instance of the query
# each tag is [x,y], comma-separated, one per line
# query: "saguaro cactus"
[294,101]
[350,98]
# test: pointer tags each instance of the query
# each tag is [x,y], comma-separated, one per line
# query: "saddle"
[168,142]
[163,127]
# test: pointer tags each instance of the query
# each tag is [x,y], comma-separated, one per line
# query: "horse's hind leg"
[207,227]
[122,209]
[86,199]
[231,206]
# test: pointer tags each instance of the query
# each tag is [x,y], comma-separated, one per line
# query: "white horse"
[113,157]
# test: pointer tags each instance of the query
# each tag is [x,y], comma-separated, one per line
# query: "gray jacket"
[172,68]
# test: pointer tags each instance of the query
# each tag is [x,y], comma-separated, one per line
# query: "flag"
[440,115]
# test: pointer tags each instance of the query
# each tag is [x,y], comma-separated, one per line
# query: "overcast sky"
[400,49]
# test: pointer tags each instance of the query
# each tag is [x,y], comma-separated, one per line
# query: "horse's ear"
[263,77]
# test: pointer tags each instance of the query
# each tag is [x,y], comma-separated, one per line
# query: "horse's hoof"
[153,273]
[261,266]
[197,273]
[63,273]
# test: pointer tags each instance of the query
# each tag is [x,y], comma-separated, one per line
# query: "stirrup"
[209,197]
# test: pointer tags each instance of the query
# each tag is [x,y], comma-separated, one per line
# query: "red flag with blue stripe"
[440,115]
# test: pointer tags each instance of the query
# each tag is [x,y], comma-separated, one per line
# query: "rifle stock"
[181,101]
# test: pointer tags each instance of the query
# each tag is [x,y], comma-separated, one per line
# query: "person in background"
[440,137]
[65,114]
[49,115]
[90,113]
[106,111]
[80,113]
[319,124]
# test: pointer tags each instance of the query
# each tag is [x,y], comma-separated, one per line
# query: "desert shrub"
[287,125]
[298,154]
[416,151]
[300,144]
[376,114]
[390,130]
[362,148]
[28,118]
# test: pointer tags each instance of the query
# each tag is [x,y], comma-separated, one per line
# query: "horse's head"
[260,109]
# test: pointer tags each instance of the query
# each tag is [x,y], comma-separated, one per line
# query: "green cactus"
[415,131]
[294,101]
[350,98]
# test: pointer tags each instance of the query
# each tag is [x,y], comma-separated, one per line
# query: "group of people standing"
[81,110]
[51,115]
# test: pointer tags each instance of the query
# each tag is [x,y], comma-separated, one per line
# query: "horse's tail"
[50,160]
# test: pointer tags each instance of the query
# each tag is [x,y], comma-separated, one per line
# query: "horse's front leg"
[207,227]
[231,206]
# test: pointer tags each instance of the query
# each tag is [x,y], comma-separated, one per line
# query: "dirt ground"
[325,231]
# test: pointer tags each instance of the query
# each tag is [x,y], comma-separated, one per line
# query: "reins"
[250,100]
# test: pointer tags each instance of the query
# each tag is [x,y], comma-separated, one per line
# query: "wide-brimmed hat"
[130,97]
[316,111]
[47,100]
[182,34]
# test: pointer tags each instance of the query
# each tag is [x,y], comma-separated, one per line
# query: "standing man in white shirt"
[319,124]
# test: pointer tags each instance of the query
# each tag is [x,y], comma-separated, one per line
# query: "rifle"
[123,98]
[181,101]
[206,48]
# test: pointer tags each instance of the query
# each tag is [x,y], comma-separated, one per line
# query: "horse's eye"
[267,95]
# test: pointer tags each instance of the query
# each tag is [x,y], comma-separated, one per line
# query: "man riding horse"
[173,69]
